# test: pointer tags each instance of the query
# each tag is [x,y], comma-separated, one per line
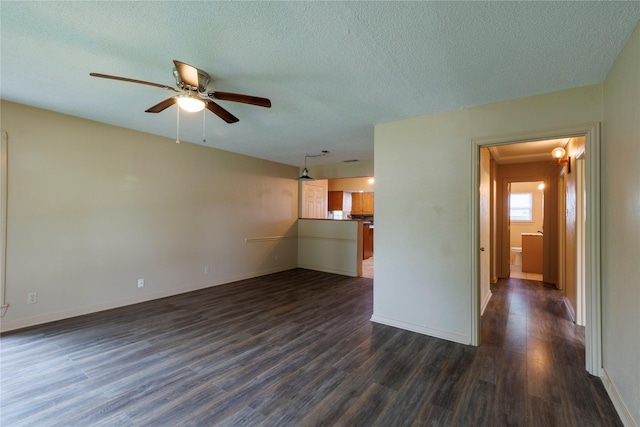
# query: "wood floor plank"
[298,348]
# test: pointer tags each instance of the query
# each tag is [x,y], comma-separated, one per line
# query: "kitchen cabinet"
[367,241]
[362,203]
[531,253]
[335,200]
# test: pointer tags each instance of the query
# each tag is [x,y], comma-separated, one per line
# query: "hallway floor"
[536,354]
[516,273]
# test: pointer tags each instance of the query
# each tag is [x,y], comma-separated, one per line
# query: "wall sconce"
[558,153]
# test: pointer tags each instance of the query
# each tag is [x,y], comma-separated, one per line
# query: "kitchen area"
[336,226]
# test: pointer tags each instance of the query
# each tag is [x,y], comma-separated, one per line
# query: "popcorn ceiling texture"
[331,69]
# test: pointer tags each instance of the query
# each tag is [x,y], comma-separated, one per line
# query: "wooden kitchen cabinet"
[367,203]
[367,241]
[335,200]
[532,253]
[356,203]
[362,203]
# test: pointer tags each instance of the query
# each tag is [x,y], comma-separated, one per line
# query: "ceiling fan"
[192,92]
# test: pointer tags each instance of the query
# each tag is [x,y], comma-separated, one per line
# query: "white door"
[314,199]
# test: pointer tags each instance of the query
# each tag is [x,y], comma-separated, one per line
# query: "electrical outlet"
[206,270]
[275,258]
[141,283]
[32,298]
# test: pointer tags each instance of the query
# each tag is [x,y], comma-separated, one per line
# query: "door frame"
[593,301]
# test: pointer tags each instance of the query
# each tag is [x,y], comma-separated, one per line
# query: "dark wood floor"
[294,349]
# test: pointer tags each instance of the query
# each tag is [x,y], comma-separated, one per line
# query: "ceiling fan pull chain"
[177,126]
[204,121]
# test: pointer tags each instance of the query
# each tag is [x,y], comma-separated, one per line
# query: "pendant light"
[305,172]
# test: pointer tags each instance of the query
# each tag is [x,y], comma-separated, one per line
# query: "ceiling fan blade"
[188,73]
[161,106]
[220,112]
[125,79]
[245,99]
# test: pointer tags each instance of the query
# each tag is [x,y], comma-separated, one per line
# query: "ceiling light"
[190,103]
[305,172]
[305,175]
[371,180]
[541,186]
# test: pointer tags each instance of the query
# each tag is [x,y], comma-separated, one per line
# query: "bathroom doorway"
[526,229]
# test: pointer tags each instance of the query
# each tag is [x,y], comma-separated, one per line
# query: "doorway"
[526,230]
[592,301]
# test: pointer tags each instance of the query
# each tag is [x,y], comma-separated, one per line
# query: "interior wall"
[341,170]
[92,208]
[423,193]
[621,228]
[572,210]
[351,184]
[524,172]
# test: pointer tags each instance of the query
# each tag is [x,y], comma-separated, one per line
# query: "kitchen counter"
[332,246]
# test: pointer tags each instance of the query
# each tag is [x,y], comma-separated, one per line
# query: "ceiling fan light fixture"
[190,103]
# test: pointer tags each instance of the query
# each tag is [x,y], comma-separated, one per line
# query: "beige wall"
[93,207]
[341,170]
[351,184]
[621,226]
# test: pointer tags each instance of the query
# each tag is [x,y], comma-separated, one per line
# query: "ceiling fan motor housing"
[203,80]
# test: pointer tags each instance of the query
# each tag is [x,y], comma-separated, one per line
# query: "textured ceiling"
[331,69]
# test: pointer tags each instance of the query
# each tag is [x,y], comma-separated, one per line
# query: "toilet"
[517,251]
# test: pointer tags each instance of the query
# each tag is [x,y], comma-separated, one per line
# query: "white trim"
[593,286]
[616,399]
[437,333]
[80,311]
[3,223]
[593,330]
[329,270]
[267,239]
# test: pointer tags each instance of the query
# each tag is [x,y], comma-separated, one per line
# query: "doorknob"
[482,249]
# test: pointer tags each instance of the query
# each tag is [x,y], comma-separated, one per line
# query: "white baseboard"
[328,270]
[425,330]
[618,403]
[485,301]
[81,311]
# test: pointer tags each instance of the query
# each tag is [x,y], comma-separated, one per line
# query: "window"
[521,207]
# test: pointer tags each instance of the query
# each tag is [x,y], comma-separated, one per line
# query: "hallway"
[535,353]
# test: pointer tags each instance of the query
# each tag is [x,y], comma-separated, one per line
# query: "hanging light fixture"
[305,172]
[558,153]
[190,103]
